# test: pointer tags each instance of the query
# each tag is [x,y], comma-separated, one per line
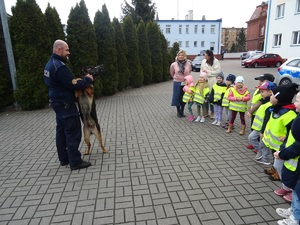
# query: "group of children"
[275,126]
[230,96]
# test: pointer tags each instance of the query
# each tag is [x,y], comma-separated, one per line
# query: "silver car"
[289,72]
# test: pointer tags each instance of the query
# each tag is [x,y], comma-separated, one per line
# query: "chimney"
[186,17]
[190,14]
[203,17]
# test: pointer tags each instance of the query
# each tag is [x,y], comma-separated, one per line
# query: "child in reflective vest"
[230,79]
[215,97]
[238,97]
[200,96]
[189,95]
[290,153]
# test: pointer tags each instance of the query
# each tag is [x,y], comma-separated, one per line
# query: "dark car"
[196,64]
[263,60]
[243,56]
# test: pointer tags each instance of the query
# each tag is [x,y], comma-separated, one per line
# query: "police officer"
[61,90]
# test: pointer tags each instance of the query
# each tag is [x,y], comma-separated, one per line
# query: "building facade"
[229,37]
[193,36]
[283,28]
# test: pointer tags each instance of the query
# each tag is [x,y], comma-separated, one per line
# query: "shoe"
[250,147]
[218,123]
[282,192]
[179,115]
[212,115]
[214,123]
[225,126]
[270,171]
[82,165]
[288,197]
[191,118]
[263,162]
[258,156]
[205,115]
[198,119]
[289,221]
[274,177]
[62,163]
[202,119]
[255,151]
[285,213]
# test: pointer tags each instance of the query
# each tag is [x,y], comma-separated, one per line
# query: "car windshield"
[199,58]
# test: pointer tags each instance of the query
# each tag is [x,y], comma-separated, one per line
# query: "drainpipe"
[267,26]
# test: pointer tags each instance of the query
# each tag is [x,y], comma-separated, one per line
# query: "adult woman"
[211,66]
[178,70]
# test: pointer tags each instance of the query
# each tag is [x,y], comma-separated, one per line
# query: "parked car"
[196,64]
[243,56]
[289,72]
[263,60]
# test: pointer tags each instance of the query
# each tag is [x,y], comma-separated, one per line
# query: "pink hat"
[203,74]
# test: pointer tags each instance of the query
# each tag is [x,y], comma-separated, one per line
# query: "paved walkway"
[159,169]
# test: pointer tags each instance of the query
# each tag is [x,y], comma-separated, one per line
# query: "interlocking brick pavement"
[159,170]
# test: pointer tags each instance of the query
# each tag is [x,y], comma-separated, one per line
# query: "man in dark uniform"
[61,90]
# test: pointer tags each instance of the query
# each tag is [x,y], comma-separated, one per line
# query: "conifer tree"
[105,36]
[139,10]
[165,56]
[121,48]
[153,33]
[144,52]
[174,50]
[54,25]
[32,48]
[81,39]
[136,73]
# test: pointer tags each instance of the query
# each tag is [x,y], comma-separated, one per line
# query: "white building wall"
[191,36]
[286,25]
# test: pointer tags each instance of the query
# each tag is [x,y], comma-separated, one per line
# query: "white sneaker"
[202,120]
[285,213]
[214,123]
[289,221]
[218,123]
[198,119]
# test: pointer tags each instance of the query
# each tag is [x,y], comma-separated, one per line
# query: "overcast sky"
[234,13]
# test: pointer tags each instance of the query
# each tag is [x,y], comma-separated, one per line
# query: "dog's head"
[95,71]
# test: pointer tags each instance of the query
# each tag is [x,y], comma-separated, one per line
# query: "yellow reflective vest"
[218,92]
[238,106]
[187,97]
[276,128]
[291,164]
[225,101]
[259,116]
[198,97]
[255,99]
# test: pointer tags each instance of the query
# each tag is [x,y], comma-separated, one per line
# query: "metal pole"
[10,55]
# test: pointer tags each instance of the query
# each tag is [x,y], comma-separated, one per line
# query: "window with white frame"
[262,30]
[212,46]
[180,29]
[212,29]
[203,29]
[202,44]
[298,6]
[196,29]
[195,43]
[187,29]
[296,38]
[187,43]
[180,43]
[168,29]
[280,11]
[277,40]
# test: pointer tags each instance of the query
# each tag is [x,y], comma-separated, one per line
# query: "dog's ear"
[90,91]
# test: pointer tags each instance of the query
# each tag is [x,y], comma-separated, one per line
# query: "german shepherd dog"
[88,114]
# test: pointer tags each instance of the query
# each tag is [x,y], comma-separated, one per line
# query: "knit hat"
[221,74]
[231,78]
[267,85]
[285,93]
[266,76]
[203,74]
[189,80]
[239,79]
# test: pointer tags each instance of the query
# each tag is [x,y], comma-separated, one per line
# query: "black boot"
[182,110]
[178,112]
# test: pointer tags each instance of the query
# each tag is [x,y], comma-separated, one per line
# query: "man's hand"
[90,76]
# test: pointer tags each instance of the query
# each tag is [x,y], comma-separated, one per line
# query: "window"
[196,29]
[277,40]
[168,29]
[296,38]
[195,44]
[180,29]
[187,43]
[262,31]
[212,29]
[298,6]
[202,44]
[280,11]
[212,46]
[187,29]
[203,29]
[180,43]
